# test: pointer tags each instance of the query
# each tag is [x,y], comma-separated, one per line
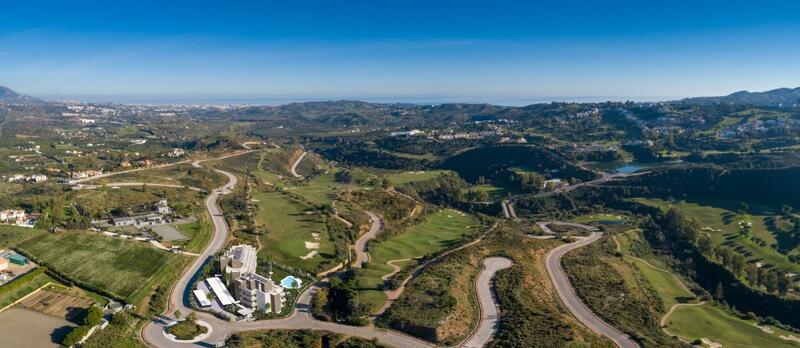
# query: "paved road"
[76,181]
[152,333]
[490,315]
[297,162]
[361,243]
[571,301]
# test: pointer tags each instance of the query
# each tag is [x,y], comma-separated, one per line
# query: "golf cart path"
[297,162]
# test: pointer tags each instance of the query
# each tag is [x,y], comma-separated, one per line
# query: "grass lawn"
[199,233]
[288,227]
[494,192]
[694,322]
[117,266]
[398,179]
[440,231]
[600,218]
[320,189]
[720,221]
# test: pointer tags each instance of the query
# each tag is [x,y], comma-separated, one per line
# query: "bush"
[74,336]
[93,316]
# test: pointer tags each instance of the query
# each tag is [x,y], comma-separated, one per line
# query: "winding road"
[153,335]
[296,163]
[487,299]
[570,299]
[361,244]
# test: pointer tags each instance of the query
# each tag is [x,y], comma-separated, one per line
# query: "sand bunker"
[766,329]
[309,255]
[312,245]
[710,343]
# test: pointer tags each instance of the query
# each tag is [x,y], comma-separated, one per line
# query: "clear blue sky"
[470,50]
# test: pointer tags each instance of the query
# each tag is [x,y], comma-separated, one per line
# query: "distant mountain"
[10,97]
[781,97]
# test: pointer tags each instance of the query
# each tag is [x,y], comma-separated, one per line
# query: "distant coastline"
[231,100]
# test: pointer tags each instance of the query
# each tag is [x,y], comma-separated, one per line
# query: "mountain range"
[781,97]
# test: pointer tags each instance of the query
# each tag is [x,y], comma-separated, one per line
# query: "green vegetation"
[22,286]
[187,329]
[600,218]
[11,235]
[110,266]
[288,225]
[439,305]
[321,189]
[437,232]
[297,339]
[401,178]
[719,326]
[122,332]
[198,234]
[617,293]
[745,240]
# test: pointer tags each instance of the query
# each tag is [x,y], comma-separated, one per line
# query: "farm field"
[10,235]
[401,178]
[437,232]
[721,222]
[23,286]
[116,266]
[289,224]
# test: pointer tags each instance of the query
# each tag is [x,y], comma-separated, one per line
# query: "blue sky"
[454,50]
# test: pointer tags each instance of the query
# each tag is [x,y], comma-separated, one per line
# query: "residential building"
[238,261]
[259,293]
[162,207]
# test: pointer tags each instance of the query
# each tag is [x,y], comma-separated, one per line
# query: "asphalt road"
[490,314]
[361,243]
[153,335]
[571,301]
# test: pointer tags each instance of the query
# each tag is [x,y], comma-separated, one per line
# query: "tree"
[719,293]
[192,317]
[93,316]
[177,313]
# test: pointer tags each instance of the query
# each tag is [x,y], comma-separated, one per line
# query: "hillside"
[781,97]
[7,95]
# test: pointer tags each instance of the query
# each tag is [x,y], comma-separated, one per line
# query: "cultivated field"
[57,304]
[116,266]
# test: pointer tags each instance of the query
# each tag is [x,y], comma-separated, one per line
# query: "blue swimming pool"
[290,282]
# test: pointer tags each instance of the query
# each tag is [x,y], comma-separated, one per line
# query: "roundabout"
[198,338]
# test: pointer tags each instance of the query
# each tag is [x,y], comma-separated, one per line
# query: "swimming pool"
[290,282]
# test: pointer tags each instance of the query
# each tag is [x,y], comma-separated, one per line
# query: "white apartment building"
[259,293]
[238,261]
